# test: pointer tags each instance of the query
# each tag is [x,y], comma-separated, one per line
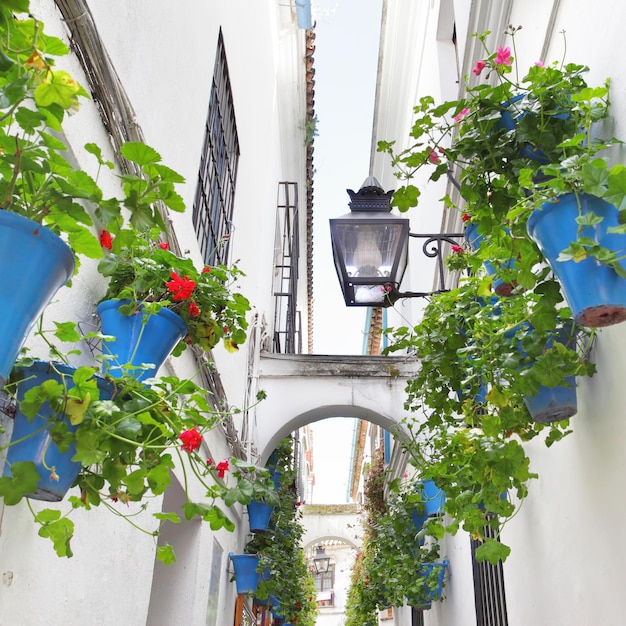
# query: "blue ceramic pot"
[430,593]
[41,263]
[139,339]
[247,578]
[33,440]
[553,404]
[433,497]
[594,292]
[474,240]
[259,515]
[511,114]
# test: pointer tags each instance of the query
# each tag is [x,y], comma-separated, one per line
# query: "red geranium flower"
[106,241]
[222,468]
[194,311]
[181,288]
[466,217]
[456,248]
[191,439]
[164,245]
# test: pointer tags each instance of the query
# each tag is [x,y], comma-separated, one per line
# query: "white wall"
[568,544]
[164,54]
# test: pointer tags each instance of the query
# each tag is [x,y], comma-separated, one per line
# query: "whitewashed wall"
[568,544]
[164,53]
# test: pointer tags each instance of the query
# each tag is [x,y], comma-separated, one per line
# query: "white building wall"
[568,545]
[164,54]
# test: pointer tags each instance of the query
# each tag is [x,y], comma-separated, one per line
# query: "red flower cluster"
[456,248]
[191,439]
[466,217]
[164,245]
[106,241]
[222,468]
[194,311]
[181,288]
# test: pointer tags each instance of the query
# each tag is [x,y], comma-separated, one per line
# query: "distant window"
[324,585]
[215,194]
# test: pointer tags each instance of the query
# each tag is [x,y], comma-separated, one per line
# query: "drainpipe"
[303,13]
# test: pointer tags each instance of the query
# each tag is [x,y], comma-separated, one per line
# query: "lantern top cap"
[370,197]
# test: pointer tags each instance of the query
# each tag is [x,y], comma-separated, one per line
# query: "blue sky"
[346,62]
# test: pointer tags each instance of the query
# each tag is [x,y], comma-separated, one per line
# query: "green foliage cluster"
[127,444]
[395,565]
[510,145]
[287,579]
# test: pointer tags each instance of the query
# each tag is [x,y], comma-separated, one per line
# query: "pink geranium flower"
[479,67]
[461,114]
[503,57]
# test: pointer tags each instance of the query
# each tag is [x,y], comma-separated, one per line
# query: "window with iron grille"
[215,193]
[489,595]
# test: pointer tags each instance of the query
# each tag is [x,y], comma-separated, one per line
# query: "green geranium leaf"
[59,531]
[168,517]
[59,88]
[85,243]
[66,331]
[159,479]
[139,153]
[88,450]
[23,481]
[492,551]
[166,555]
[405,198]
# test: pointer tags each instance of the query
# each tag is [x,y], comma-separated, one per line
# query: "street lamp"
[370,249]
[321,562]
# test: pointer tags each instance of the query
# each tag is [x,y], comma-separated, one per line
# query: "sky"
[346,63]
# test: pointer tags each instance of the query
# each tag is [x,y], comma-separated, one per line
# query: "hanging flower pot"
[595,293]
[553,404]
[474,240]
[433,573]
[140,339]
[32,439]
[43,263]
[247,578]
[259,514]
[432,497]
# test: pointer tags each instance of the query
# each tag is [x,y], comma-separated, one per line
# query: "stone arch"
[302,389]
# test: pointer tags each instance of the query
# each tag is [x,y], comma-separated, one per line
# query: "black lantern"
[370,247]
[321,560]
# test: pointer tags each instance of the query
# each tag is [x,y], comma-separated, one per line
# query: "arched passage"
[302,389]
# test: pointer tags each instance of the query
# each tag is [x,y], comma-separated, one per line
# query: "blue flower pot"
[247,578]
[259,515]
[32,437]
[139,339]
[508,121]
[594,292]
[433,497]
[430,593]
[553,404]
[474,240]
[42,263]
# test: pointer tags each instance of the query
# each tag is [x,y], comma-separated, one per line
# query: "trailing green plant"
[395,566]
[481,358]
[511,144]
[286,577]
[127,446]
